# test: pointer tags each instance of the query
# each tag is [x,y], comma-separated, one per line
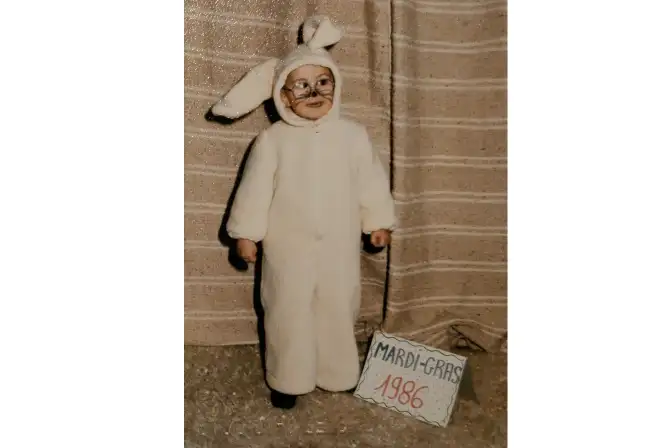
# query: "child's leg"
[336,308]
[287,292]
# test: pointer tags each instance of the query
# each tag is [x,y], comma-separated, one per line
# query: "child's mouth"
[316,104]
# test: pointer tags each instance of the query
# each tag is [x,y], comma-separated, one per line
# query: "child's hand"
[247,250]
[381,238]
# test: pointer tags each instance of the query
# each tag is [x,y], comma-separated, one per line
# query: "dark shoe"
[282,401]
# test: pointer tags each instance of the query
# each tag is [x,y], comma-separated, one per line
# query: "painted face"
[309,91]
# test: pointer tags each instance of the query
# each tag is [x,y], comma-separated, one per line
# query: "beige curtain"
[428,79]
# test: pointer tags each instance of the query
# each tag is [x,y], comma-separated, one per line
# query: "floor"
[226,405]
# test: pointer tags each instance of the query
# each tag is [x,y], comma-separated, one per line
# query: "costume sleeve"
[249,213]
[375,199]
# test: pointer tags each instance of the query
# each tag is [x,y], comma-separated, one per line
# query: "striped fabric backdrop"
[428,79]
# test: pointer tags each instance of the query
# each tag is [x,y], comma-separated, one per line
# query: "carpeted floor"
[226,405]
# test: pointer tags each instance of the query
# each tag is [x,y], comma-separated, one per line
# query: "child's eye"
[301,85]
[324,82]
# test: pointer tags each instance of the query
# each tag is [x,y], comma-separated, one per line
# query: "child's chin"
[312,113]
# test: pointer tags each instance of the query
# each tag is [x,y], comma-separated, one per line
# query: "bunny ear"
[320,32]
[248,94]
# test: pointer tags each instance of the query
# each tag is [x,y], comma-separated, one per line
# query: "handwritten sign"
[410,378]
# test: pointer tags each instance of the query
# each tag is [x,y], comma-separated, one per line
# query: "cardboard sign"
[410,378]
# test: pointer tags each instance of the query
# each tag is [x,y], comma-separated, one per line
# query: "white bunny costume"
[308,191]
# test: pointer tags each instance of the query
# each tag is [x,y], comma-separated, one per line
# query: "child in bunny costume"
[311,186]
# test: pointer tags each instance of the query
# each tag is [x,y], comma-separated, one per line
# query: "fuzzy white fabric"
[310,188]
